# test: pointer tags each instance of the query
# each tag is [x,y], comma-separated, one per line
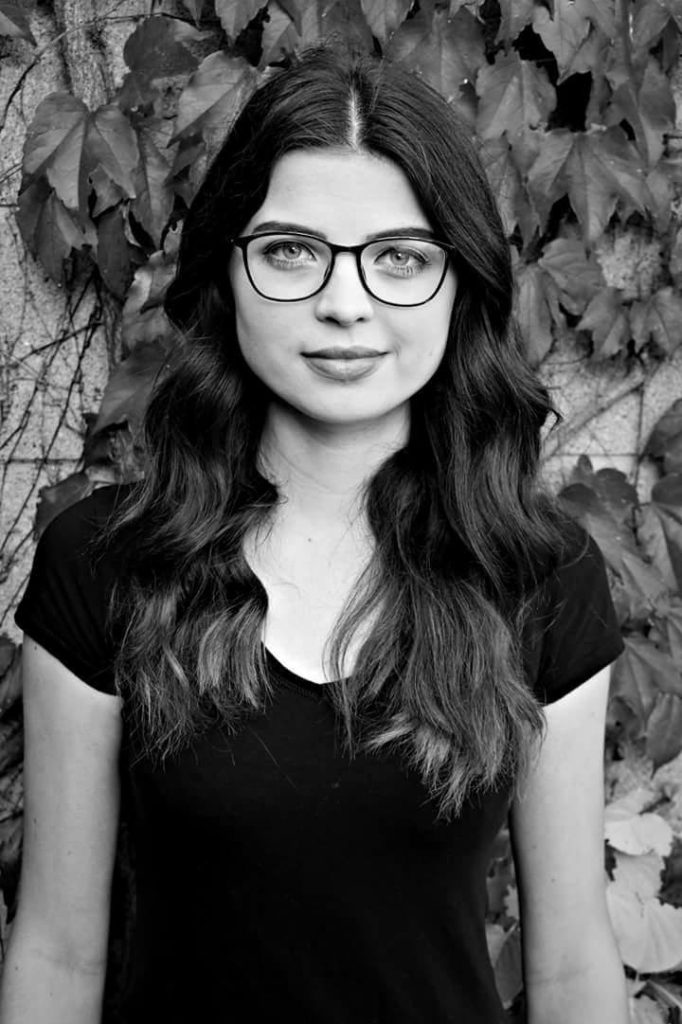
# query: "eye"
[402,259]
[289,250]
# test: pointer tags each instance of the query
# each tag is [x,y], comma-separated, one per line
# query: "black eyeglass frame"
[242,241]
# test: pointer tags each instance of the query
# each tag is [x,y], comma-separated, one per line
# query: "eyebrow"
[288,227]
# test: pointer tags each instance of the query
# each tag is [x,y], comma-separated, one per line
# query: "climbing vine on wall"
[571,105]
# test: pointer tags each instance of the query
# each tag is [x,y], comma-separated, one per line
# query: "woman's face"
[303,350]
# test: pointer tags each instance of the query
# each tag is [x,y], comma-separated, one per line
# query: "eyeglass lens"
[401,271]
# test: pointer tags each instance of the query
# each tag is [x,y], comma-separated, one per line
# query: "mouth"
[344,353]
[344,364]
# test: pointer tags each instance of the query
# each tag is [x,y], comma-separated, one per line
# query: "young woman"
[347,635]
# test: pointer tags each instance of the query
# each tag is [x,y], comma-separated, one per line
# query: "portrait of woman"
[338,635]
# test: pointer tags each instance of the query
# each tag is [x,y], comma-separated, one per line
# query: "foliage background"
[573,108]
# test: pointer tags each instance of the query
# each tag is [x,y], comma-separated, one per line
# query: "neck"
[321,469]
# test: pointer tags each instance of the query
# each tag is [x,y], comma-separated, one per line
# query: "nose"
[344,298]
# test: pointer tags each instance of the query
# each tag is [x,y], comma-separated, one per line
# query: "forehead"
[345,195]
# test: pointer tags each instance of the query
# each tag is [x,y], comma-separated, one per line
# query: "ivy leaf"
[447,52]
[577,276]
[665,441]
[653,543]
[666,501]
[634,802]
[605,503]
[533,312]
[495,936]
[235,15]
[505,181]
[616,494]
[646,588]
[107,194]
[673,626]
[128,388]
[143,321]
[290,27]
[606,320]
[500,877]
[676,258]
[507,966]
[650,111]
[188,169]
[602,167]
[564,30]
[195,8]
[649,18]
[634,831]
[14,21]
[294,9]
[111,145]
[511,903]
[593,53]
[657,109]
[639,675]
[320,20]
[648,933]
[639,874]
[592,195]
[548,178]
[154,197]
[162,47]
[664,731]
[213,95]
[279,34]
[385,17]
[644,1010]
[514,95]
[660,187]
[515,16]
[583,504]
[55,147]
[49,230]
[113,254]
[659,319]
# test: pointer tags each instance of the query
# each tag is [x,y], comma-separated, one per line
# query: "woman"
[339,605]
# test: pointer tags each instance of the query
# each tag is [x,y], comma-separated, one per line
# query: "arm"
[573,973]
[56,959]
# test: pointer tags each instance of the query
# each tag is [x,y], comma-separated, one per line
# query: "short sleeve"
[65,603]
[574,631]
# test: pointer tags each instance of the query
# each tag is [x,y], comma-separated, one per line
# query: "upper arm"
[71,801]
[558,833]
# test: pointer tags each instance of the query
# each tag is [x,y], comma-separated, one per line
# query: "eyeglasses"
[291,267]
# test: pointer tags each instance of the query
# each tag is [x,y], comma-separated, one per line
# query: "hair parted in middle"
[463,535]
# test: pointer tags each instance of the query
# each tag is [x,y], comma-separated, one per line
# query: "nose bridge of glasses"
[350,255]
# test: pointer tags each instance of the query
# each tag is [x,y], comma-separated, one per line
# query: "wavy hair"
[462,533]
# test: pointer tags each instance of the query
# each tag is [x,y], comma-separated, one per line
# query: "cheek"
[423,342]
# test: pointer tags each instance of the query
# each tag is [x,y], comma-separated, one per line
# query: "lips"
[344,353]
[344,364]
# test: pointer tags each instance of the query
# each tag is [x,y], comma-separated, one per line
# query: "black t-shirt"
[275,879]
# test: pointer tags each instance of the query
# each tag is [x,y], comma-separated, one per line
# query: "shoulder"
[80,523]
[74,543]
[572,630]
[66,602]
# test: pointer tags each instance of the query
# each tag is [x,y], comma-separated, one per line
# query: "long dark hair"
[462,533]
